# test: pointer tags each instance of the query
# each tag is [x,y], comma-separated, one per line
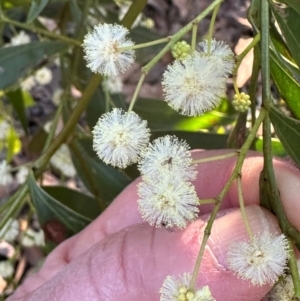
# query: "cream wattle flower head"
[119,137]
[261,260]
[102,49]
[167,157]
[194,85]
[221,53]
[168,202]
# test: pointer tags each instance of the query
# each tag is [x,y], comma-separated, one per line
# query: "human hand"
[119,257]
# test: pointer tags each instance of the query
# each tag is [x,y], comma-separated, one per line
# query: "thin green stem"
[70,125]
[136,92]
[134,10]
[43,32]
[207,201]
[220,197]
[176,37]
[211,27]
[194,36]
[265,56]
[215,158]
[242,55]
[242,206]
[143,45]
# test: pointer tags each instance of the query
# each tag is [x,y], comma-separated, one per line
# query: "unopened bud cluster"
[181,50]
[241,102]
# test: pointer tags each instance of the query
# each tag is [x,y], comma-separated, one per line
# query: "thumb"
[133,263]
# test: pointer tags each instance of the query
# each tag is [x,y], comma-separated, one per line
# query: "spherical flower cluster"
[119,137]
[197,84]
[167,157]
[168,203]
[103,49]
[62,161]
[241,102]
[113,84]
[181,50]
[167,198]
[194,85]
[178,290]
[28,83]
[221,54]
[261,260]
[43,76]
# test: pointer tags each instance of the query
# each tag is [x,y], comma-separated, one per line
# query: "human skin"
[120,257]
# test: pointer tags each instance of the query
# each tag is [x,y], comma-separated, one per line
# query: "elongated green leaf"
[289,22]
[35,9]
[287,80]
[197,140]
[292,3]
[75,200]
[97,106]
[111,181]
[161,117]
[16,61]
[75,11]
[288,131]
[50,209]
[17,99]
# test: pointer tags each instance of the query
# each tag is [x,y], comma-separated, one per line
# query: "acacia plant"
[107,141]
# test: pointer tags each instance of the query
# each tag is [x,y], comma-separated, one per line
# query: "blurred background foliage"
[56,29]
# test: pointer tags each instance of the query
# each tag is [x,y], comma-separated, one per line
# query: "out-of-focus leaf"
[75,11]
[197,140]
[289,22]
[13,144]
[97,106]
[292,3]
[50,209]
[142,35]
[279,42]
[288,131]
[277,147]
[28,100]
[111,181]
[16,61]
[37,143]
[35,9]
[17,99]
[161,117]
[287,80]
[75,200]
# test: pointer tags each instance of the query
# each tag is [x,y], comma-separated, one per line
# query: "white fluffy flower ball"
[102,49]
[32,238]
[261,260]
[119,137]
[221,53]
[194,85]
[167,157]
[168,202]
[43,76]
